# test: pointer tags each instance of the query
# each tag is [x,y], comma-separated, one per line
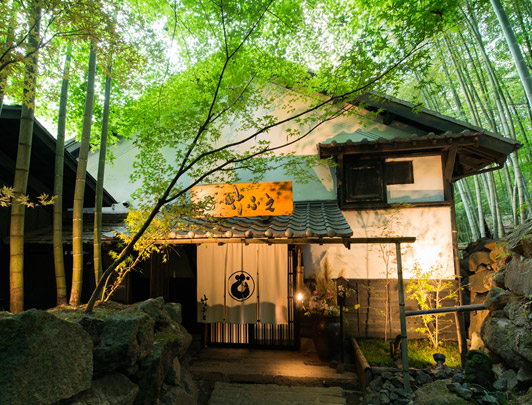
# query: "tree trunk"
[452,84]
[519,61]
[20,182]
[472,110]
[3,73]
[481,220]
[79,191]
[58,186]
[502,111]
[98,267]
[524,31]
[469,212]
[491,203]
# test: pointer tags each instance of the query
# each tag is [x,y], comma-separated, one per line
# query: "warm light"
[299,297]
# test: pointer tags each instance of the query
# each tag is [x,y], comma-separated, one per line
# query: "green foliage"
[430,290]
[377,353]
[456,80]
[239,71]
[8,196]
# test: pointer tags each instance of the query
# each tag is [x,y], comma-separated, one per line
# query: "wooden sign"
[245,199]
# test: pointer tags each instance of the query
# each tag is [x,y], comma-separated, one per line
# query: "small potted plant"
[321,305]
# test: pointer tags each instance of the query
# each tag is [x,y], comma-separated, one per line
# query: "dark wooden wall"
[369,319]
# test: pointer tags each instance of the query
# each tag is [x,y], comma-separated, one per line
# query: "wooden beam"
[289,241]
[449,163]
[461,308]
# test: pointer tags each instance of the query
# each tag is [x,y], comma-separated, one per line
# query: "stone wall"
[480,262]
[507,328]
[120,355]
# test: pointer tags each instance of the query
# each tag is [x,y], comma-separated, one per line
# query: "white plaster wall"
[433,247]
[321,183]
[117,173]
[355,126]
[116,180]
[428,181]
[430,225]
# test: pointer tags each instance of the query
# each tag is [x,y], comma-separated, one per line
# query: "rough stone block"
[481,281]
[497,298]
[113,389]
[437,393]
[518,275]
[124,340]
[478,259]
[154,307]
[175,311]
[43,359]
[173,377]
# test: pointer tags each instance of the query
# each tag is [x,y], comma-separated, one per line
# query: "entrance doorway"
[260,335]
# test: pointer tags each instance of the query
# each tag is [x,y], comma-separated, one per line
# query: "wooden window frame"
[379,196]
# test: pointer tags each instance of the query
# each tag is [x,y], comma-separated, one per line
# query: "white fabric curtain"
[242,284]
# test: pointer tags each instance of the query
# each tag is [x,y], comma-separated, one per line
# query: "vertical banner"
[242,284]
[211,283]
[272,268]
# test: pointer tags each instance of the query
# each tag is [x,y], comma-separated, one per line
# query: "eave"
[474,151]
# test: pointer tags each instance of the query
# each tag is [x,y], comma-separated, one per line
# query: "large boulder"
[185,339]
[479,261]
[173,376]
[519,240]
[43,359]
[185,393]
[123,340]
[497,298]
[481,281]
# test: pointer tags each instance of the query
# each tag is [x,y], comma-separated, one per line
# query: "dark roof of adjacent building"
[111,223]
[42,163]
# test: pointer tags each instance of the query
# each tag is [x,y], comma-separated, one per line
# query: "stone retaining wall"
[121,355]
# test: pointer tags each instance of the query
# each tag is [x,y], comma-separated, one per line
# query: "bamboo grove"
[472,77]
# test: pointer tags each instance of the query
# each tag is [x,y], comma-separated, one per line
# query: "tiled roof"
[315,219]
[474,150]
[310,219]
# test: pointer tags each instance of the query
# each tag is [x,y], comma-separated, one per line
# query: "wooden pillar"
[402,316]
[458,317]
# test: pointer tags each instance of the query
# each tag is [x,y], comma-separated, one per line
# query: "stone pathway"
[272,394]
[270,377]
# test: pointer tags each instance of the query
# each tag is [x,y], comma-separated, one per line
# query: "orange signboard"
[245,199]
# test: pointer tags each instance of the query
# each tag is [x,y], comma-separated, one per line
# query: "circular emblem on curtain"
[241,285]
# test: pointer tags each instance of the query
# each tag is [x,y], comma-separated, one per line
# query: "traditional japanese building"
[393,178]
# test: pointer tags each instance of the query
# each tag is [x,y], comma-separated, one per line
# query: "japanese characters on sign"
[246,199]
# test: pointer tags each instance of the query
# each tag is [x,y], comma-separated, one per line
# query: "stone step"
[273,394]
